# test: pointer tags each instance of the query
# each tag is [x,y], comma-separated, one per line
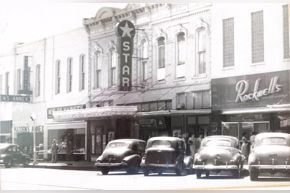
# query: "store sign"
[14,98]
[243,94]
[253,90]
[27,129]
[63,108]
[125,33]
[26,78]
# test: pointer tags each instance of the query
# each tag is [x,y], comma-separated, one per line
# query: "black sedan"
[121,154]
[10,155]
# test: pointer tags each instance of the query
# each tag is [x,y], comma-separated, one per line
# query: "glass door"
[230,128]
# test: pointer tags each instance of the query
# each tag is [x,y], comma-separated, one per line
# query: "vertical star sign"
[126,30]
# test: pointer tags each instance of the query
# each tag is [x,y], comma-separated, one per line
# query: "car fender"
[132,159]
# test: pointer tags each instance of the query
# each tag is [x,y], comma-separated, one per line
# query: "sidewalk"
[69,165]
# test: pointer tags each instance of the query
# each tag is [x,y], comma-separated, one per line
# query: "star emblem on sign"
[126,30]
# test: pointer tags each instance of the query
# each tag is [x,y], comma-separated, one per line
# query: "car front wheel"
[8,163]
[146,171]
[198,174]
[254,175]
[105,171]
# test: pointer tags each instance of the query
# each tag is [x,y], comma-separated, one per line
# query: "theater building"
[251,68]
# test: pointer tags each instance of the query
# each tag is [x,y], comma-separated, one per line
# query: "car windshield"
[225,143]
[118,144]
[158,143]
[274,141]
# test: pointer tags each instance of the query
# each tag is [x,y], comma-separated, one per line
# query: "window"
[57,77]
[161,52]
[286,49]
[161,59]
[144,56]
[1,82]
[113,68]
[18,80]
[69,75]
[82,76]
[201,99]
[37,80]
[7,83]
[181,51]
[180,101]
[97,69]
[228,42]
[201,50]
[257,37]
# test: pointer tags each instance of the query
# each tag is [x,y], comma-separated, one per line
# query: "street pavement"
[58,179]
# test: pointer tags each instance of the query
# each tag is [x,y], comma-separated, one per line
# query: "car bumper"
[214,167]
[158,166]
[111,165]
[265,168]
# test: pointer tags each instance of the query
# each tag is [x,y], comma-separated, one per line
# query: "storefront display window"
[70,141]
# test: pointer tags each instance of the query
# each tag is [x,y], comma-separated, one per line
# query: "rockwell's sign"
[256,90]
[243,94]
[125,33]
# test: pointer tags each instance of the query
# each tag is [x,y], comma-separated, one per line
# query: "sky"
[27,21]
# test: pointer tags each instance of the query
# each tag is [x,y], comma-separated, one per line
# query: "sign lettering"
[15,98]
[63,108]
[242,88]
[126,33]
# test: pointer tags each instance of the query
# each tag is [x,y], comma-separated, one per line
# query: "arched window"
[201,50]
[97,69]
[113,70]
[161,52]
[144,61]
[181,48]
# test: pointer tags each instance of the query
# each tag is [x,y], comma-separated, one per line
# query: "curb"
[64,167]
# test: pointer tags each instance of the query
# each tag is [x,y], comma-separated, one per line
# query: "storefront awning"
[175,112]
[268,109]
[96,112]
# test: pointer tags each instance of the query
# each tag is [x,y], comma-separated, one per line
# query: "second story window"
[69,75]
[286,50]
[114,60]
[37,80]
[161,52]
[181,51]
[7,83]
[57,77]
[257,37]
[144,61]
[82,74]
[97,70]
[201,50]
[161,59]
[181,54]
[18,80]
[228,42]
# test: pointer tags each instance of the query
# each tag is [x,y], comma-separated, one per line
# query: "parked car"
[121,154]
[166,153]
[270,154]
[219,153]
[10,155]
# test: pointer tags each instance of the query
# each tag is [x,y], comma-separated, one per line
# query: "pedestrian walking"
[54,150]
[192,145]
[245,147]
[198,142]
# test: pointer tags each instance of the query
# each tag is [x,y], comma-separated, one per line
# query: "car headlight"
[197,159]
[252,159]
[235,159]
[100,158]
[2,156]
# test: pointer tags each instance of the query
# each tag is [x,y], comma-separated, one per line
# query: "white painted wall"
[273,39]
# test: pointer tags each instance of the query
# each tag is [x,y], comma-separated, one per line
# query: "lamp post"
[33,118]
